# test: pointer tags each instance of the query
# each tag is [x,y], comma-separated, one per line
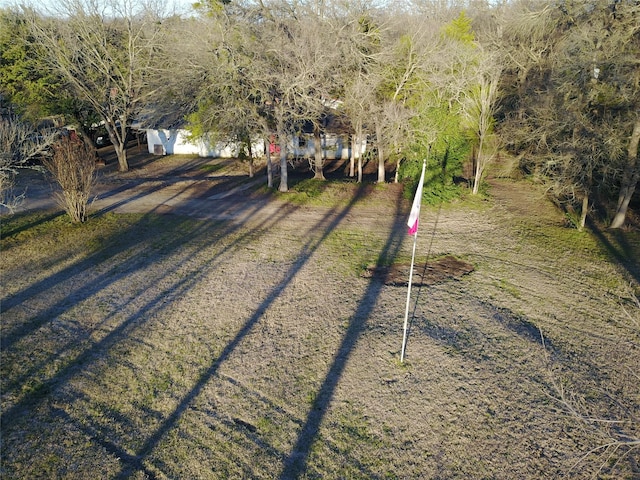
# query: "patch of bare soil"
[431,273]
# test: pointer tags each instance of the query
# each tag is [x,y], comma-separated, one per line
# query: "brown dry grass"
[165,346]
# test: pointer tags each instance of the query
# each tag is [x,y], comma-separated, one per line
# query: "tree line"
[553,86]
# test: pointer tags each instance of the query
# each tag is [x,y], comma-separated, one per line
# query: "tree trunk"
[396,177]
[267,149]
[381,171]
[583,213]
[380,153]
[120,147]
[478,170]
[318,161]
[352,156]
[85,135]
[629,179]
[121,152]
[284,185]
[246,140]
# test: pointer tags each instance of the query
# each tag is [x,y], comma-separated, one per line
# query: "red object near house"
[273,146]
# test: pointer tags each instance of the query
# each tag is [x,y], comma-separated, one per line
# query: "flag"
[414,216]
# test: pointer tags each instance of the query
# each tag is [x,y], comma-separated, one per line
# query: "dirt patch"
[431,273]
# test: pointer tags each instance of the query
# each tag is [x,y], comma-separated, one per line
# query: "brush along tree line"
[555,86]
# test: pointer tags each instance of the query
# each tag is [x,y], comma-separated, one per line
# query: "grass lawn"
[162,346]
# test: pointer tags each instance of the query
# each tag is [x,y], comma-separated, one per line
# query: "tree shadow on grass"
[619,248]
[296,463]
[136,236]
[328,223]
[80,359]
[17,225]
[10,336]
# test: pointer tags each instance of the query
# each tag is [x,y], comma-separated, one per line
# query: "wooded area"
[554,87]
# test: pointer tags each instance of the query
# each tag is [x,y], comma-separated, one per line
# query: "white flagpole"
[413,257]
[406,311]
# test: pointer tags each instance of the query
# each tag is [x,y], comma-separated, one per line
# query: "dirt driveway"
[190,186]
[207,189]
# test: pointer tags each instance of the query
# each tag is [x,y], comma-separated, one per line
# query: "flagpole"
[406,310]
[417,203]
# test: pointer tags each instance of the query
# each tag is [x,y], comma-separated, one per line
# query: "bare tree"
[478,107]
[526,33]
[360,46]
[263,73]
[19,144]
[226,103]
[292,64]
[318,57]
[630,177]
[392,132]
[73,166]
[356,97]
[106,52]
[577,99]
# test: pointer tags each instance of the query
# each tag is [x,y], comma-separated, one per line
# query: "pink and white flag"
[414,216]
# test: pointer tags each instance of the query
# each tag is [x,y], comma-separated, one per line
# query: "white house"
[162,141]
[177,140]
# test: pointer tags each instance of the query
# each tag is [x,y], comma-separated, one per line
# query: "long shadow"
[75,296]
[325,225]
[132,183]
[109,447]
[26,226]
[134,462]
[296,463]
[9,338]
[129,199]
[36,288]
[624,253]
[228,183]
[126,329]
[472,341]
[130,323]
